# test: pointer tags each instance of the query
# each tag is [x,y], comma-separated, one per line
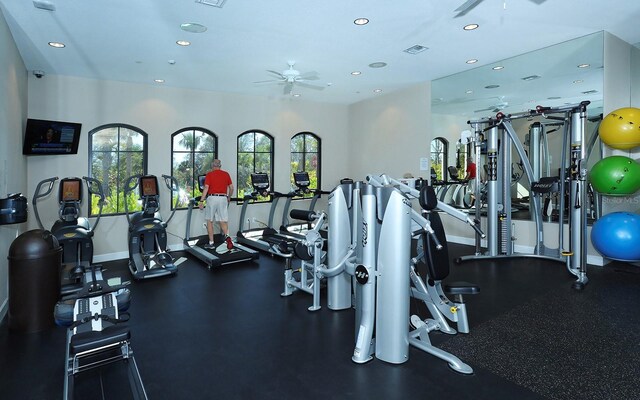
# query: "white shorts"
[216,209]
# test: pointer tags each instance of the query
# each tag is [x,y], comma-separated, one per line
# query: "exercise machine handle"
[172,185]
[94,186]
[128,188]
[475,224]
[38,195]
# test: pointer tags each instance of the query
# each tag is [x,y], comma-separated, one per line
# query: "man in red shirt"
[217,192]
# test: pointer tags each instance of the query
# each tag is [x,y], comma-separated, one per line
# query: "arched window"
[192,152]
[305,156]
[439,153]
[116,152]
[255,154]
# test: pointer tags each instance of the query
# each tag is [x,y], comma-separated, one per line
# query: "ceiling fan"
[496,107]
[290,77]
[470,4]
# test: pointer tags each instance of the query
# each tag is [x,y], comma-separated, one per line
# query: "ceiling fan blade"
[466,7]
[309,76]
[484,109]
[287,88]
[268,81]
[309,86]
[538,2]
[276,74]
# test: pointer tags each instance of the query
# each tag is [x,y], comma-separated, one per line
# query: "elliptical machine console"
[73,232]
[148,257]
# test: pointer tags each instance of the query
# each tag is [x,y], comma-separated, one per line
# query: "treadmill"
[265,239]
[299,230]
[220,255]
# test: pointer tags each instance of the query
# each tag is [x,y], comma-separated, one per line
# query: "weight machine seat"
[460,288]
[63,312]
[91,340]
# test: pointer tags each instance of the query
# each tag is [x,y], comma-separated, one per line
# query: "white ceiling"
[133,40]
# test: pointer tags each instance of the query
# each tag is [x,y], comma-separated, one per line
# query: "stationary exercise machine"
[573,175]
[312,256]
[265,239]
[148,257]
[219,255]
[372,225]
[98,336]
[73,232]
[301,181]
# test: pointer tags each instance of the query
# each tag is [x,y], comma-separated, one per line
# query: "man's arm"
[203,196]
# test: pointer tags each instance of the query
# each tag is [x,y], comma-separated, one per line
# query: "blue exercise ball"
[617,236]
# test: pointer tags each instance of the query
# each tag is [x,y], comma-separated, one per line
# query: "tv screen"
[51,137]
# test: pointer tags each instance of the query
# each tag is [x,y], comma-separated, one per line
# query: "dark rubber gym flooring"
[227,334]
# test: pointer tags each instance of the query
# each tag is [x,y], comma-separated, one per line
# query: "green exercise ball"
[620,129]
[616,176]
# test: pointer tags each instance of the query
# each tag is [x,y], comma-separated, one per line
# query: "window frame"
[194,183]
[271,153]
[145,163]
[304,153]
[445,157]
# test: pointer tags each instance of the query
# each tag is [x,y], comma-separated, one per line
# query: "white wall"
[390,133]
[160,111]
[13,167]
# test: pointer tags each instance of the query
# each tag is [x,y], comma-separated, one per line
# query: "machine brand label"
[149,226]
[69,235]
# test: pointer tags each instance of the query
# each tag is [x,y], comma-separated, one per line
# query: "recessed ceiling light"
[378,64]
[471,27]
[472,61]
[361,21]
[492,86]
[158,80]
[531,77]
[584,65]
[377,90]
[183,43]
[57,45]
[469,91]
[171,62]
[296,95]
[497,68]
[356,73]
[193,27]
[578,81]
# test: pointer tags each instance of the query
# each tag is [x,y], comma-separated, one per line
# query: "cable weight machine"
[501,136]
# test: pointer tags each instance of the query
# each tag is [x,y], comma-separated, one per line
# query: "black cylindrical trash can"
[35,259]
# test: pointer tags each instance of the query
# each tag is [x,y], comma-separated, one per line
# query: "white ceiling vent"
[214,3]
[415,49]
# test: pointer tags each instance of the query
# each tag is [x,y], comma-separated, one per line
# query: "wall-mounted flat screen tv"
[44,137]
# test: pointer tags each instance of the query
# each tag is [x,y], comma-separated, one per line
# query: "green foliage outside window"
[192,153]
[255,154]
[305,156]
[116,153]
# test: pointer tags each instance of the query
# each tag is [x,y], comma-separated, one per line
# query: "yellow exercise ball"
[620,129]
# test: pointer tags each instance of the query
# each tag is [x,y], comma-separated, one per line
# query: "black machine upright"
[219,255]
[148,257]
[298,230]
[73,232]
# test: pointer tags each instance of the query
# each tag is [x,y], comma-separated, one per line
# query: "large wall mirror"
[566,73]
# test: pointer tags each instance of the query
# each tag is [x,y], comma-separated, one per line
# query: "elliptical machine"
[148,257]
[74,233]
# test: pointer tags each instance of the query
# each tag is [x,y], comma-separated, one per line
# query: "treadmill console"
[260,183]
[302,181]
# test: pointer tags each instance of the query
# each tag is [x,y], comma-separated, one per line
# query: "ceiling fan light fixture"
[361,21]
[470,27]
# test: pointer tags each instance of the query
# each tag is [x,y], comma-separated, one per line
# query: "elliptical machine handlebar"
[128,188]
[172,185]
[94,187]
[38,195]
